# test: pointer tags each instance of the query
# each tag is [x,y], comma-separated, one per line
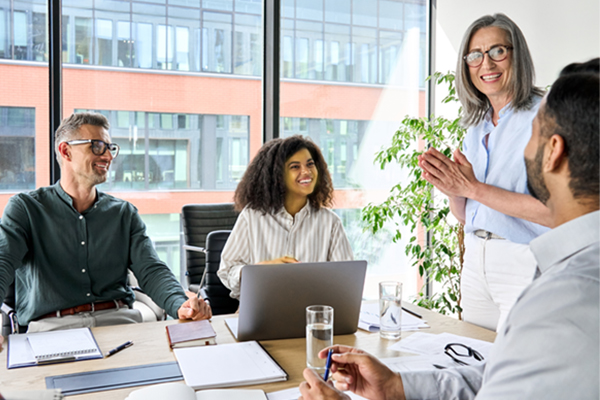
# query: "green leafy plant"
[413,204]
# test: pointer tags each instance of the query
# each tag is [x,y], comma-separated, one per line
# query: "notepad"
[180,391]
[226,365]
[49,347]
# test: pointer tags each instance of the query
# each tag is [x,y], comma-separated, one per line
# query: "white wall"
[558,32]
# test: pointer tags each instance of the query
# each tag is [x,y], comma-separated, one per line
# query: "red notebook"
[188,334]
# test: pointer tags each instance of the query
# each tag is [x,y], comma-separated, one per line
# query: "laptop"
[273,298]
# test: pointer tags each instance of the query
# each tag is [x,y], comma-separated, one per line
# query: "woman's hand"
[281,260]
[453,178]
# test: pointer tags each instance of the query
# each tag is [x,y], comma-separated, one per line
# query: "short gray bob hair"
[522,89]
[69,127]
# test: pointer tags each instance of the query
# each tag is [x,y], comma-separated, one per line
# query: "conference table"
[151,346]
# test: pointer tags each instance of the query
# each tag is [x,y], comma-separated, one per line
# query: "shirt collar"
[565,240]
[69,200]
[506,110]
[303,211]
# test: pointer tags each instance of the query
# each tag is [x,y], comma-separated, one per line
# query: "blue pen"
[328,365]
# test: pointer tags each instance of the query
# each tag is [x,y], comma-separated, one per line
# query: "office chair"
[211,287]
[197,221]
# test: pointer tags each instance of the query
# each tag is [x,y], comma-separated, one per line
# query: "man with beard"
[68,246]
[549,345]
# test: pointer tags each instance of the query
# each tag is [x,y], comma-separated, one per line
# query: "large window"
[180,82]
[362,63]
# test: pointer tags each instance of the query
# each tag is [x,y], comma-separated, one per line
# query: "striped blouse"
[312,236]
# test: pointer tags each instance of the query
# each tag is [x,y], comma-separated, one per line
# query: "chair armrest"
[11,314]
[194,248]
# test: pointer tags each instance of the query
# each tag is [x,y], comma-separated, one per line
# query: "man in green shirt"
[69,246]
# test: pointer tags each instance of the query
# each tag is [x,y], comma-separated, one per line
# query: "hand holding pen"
[328,365]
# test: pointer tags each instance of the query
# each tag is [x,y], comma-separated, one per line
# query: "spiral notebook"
[40,348]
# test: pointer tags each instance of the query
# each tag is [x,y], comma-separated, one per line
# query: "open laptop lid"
[273,298]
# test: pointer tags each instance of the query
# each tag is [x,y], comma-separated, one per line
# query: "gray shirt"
[549,346]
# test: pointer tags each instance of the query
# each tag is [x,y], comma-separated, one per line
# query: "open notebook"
[226,365]
[51,347]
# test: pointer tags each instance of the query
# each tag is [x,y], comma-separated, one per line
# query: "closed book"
[188,334]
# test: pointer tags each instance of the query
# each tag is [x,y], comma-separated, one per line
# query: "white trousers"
[495,272]
[87,320]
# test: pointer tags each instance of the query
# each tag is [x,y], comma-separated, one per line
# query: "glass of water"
[319,334]
[390,309]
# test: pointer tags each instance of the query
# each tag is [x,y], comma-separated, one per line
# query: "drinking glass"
[319,334]
[390,309]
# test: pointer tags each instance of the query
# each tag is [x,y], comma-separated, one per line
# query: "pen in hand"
[327,365]
[119,348]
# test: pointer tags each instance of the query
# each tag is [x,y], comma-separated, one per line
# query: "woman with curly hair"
[283,199]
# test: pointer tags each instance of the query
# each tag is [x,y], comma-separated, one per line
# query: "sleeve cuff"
[420,385]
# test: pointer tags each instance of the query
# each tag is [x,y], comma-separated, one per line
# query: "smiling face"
[492,78]
[300,175]
[85,165]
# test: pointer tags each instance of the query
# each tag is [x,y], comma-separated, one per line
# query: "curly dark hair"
[263,188]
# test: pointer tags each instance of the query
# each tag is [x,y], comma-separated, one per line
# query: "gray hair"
[69,127]
[521,86]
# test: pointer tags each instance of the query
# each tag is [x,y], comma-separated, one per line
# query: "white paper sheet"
[369,319]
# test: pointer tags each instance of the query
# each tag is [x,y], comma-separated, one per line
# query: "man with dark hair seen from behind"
[549,345]
[69,246]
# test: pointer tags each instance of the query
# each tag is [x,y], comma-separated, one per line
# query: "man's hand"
[363,374]
[315,388]
[194,308]
[453,178]
[281,260]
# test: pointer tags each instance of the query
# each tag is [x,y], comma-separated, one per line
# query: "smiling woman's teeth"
[490,77]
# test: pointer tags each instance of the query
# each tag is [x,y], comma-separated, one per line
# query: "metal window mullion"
[430,104]
[271,67]
[55,79]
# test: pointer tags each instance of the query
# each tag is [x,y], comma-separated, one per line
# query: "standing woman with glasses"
[487,182]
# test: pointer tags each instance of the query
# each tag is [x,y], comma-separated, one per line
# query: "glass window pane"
[309,9]
[24,144]
[391,14]
[350,122]
[17,148]
[364,13]
[337,11]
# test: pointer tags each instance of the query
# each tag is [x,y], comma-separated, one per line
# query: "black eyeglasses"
[98,146]
[497,53]
[456,351]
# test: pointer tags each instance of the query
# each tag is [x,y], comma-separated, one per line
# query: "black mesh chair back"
[198,220]
[211,287]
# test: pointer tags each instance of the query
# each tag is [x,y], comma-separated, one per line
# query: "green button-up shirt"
[60,258]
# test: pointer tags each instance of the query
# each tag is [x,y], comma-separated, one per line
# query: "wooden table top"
[151,346]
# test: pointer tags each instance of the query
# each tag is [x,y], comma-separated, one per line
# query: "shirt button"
[88,295]
[95,206]
[81,217]
[83,271]
[83,243]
